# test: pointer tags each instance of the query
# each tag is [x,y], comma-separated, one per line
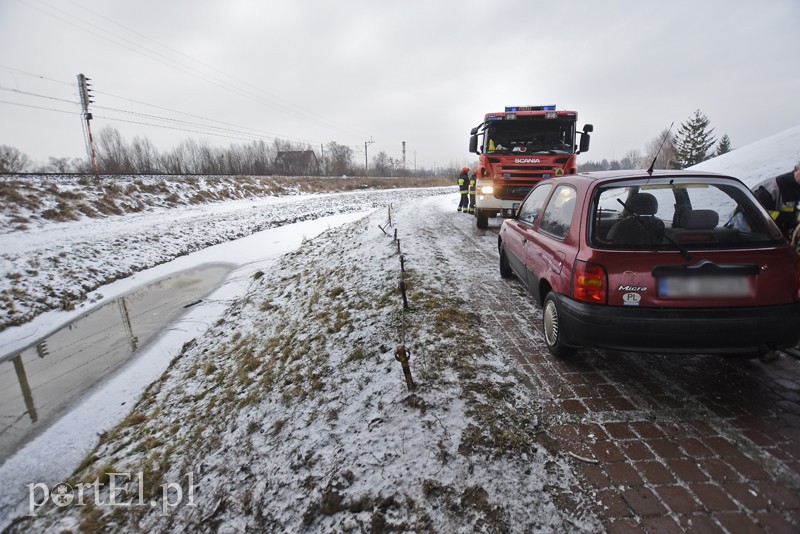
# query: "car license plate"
[704,287]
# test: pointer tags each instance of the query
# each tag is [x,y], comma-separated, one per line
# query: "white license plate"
[704,287]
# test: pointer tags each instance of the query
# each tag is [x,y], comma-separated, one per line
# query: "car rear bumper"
[685,330]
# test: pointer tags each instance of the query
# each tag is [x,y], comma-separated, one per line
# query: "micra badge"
[632,288]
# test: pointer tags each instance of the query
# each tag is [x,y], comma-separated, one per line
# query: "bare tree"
[171,163]
[187,153]
[380,163]
[258,157]
[633,160]
[666,158]
[59,164]
[211,159]
[144,156]
[13,160]
[340,158]
[113,155]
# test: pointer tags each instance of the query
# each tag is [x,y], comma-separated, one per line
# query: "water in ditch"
[43,381]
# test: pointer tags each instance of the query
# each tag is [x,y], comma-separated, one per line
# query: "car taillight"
[590,283]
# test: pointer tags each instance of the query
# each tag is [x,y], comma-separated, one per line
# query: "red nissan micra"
[673,261]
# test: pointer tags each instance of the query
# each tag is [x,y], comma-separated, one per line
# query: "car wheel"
[482,219]
[554,334]
[505,268]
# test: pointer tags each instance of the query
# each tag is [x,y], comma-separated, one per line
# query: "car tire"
[505,268]
[482,220]
[552,328]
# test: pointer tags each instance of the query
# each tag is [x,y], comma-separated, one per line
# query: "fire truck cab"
[517,149]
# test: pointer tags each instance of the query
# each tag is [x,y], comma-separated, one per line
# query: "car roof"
[642,173]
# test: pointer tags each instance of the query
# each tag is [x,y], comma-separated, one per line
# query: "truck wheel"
[482,219]
[554,335]
[505,268]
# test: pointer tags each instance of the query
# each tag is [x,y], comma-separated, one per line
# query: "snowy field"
[282,407]
[58,265]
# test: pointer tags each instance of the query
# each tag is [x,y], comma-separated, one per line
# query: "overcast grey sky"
[424,72]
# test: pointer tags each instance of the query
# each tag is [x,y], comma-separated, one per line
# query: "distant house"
[296,162]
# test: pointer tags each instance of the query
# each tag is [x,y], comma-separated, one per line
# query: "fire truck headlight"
[487,189]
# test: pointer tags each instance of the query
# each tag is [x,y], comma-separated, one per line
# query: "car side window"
[557,217]
[532,206]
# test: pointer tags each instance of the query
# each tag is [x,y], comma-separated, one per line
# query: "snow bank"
[769,157]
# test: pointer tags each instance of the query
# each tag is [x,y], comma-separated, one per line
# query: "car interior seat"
[643,228]
[699,219]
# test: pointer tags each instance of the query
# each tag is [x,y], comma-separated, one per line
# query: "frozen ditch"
[52,453]
[42,381]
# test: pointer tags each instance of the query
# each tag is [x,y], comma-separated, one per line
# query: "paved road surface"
[680,443]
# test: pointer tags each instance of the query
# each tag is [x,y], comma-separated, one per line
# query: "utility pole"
[366,159]
[86,99]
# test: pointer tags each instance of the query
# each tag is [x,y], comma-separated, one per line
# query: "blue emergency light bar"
[530,108]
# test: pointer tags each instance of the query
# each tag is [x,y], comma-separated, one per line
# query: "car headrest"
[700,219]
[643,204]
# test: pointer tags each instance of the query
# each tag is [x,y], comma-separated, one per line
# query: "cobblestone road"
[661,443]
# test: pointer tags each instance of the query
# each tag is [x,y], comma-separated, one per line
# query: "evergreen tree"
[724,145]
[693,140]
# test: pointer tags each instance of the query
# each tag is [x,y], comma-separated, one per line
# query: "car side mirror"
[584,144]
[473,144]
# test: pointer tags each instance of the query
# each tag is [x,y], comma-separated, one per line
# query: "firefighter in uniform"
[780,196]
[472,180]
[463,190]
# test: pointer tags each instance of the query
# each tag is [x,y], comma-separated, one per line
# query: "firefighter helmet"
[465,169]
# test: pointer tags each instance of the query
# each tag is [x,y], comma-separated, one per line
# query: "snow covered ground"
[769,157]
[56,265]
[50,458]
[290,411]
[287,410]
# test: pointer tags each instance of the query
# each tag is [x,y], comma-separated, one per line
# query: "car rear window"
[691,212]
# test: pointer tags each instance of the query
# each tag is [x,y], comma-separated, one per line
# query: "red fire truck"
[518,148]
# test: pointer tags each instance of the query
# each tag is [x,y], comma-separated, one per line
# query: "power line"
[281,136]
[18,71]
[39,107]
[154,55]
[204,64]
[37,95]
[173,128]
[259,134]
[252,137]
[187,123]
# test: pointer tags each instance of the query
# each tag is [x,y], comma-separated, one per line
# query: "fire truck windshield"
[532,135]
